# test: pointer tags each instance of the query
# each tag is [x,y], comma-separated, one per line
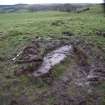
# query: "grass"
[101,89]
[17,29]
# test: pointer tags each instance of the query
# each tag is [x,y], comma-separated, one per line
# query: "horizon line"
[52,3]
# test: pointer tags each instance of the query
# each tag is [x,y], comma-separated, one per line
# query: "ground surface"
[17,30]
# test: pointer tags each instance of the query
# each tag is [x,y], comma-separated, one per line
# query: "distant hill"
[41,7]
[12,8]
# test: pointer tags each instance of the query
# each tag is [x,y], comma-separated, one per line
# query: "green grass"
[18,28]
[101,89]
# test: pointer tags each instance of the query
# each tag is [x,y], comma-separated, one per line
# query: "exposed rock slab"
[53,58]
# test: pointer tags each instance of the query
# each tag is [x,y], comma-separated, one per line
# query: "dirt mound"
[29,59]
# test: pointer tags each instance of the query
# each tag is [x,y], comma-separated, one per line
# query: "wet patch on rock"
[52,59]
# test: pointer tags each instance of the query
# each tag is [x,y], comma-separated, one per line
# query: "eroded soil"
[76,85]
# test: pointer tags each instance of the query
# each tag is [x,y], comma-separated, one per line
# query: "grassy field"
[17,29]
